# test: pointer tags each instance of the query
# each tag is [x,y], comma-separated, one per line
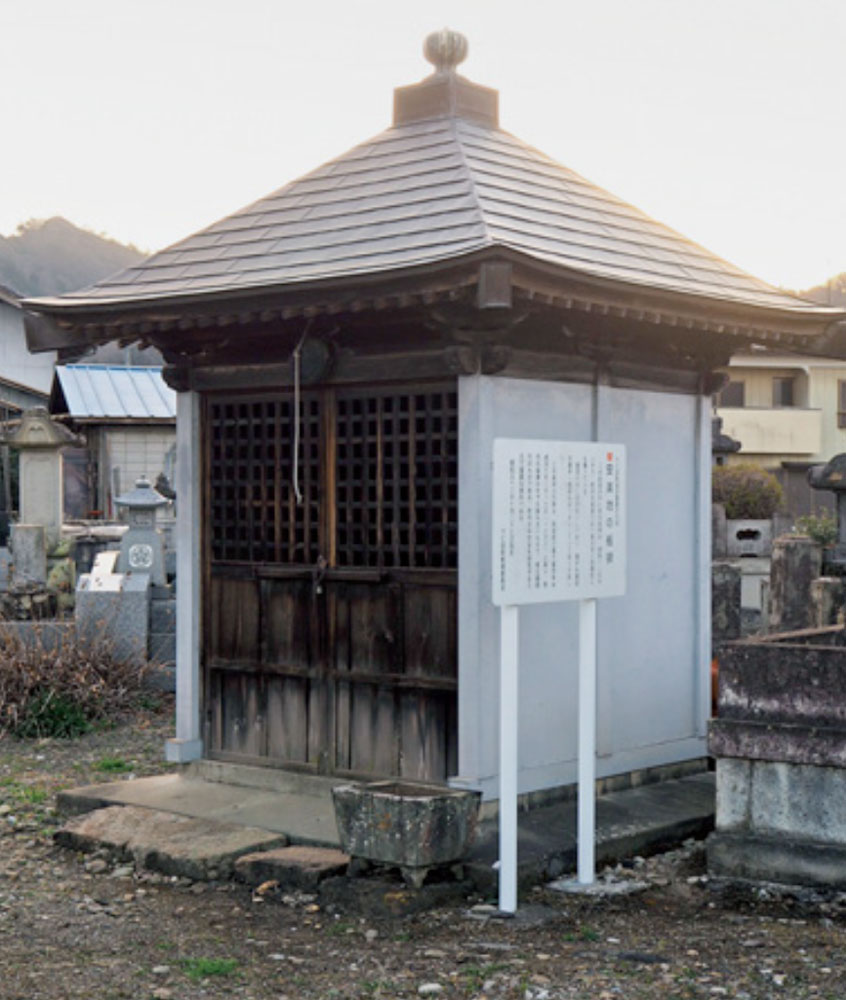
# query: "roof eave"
[58,323]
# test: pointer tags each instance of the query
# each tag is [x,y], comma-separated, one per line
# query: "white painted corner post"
[559,534]
[188,744]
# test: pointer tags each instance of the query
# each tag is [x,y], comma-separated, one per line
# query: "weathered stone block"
[725,602]
[297,867]
[752,858]
[796,563]
[405,824]
[29,555]
[719,536]
[749,537]
[165,842]
[828,601]
[798,801]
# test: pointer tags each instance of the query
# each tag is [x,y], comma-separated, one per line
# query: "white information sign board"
[559,527]
[559,534]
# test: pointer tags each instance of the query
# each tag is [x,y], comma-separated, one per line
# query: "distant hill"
[832,293]
[54,256]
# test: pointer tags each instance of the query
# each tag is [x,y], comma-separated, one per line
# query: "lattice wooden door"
[331,616]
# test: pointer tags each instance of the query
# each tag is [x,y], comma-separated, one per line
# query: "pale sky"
[149,119]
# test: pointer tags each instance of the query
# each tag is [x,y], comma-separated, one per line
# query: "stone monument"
[142,547]
[39,440]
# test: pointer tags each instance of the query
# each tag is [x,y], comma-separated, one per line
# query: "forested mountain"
[54,256]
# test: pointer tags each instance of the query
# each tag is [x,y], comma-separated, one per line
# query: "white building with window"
[788,412]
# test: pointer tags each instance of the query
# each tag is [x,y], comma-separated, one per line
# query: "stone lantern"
[142,549]
[40,440]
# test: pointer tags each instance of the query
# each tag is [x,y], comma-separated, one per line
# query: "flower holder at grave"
[558,535]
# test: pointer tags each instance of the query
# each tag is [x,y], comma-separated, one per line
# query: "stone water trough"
[413,826]
[780,746]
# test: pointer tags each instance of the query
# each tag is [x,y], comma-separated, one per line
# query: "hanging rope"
[296,358]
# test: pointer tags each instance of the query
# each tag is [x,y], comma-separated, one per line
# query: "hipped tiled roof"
[431,191]
[443,184]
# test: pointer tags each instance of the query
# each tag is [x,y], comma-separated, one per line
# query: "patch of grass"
[112,765]
[48,713]
[35,796]
[21,792]
[587,933]
[203,968]
[377,987]
[475,976]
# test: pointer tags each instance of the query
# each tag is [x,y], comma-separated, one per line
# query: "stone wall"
[780,744]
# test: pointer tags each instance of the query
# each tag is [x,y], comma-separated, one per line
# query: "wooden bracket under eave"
[494,288]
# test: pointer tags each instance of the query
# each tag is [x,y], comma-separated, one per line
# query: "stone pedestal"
[796,563]
[29,555]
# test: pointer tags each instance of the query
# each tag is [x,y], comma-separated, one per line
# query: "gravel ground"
[73,926]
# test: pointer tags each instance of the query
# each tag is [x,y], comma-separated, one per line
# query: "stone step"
[202,849]
[297,867]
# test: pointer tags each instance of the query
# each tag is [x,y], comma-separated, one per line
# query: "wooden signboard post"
[559,534]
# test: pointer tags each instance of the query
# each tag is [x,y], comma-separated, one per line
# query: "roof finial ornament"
[445,49]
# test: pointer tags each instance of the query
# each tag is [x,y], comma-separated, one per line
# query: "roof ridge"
[488,238]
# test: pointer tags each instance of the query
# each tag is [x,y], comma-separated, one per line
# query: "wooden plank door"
[330,615]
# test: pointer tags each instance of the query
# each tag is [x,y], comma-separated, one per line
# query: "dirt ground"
[73,926]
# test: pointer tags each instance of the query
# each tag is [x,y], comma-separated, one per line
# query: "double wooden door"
[330,599]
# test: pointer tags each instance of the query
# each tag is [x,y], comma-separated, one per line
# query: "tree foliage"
[746,491]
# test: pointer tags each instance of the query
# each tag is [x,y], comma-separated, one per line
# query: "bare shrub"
[52,683]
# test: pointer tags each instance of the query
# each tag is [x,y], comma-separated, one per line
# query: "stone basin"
[412,825]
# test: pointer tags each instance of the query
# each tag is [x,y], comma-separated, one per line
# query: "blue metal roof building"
[112,393]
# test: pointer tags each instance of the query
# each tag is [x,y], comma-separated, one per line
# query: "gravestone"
[114,608]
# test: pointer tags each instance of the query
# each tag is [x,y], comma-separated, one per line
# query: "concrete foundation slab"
[635,821]
[304,819]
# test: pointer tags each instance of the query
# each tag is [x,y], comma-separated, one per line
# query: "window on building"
[783,394]
[734,394]
[841,402]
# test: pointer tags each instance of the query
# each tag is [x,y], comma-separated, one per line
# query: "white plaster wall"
[136,452]
[35,371]
[653,643]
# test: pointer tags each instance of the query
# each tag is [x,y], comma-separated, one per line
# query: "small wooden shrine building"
[344,353]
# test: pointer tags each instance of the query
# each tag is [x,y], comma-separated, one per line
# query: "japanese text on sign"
[559,530]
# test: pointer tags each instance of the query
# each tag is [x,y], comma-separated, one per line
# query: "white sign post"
[559,534]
